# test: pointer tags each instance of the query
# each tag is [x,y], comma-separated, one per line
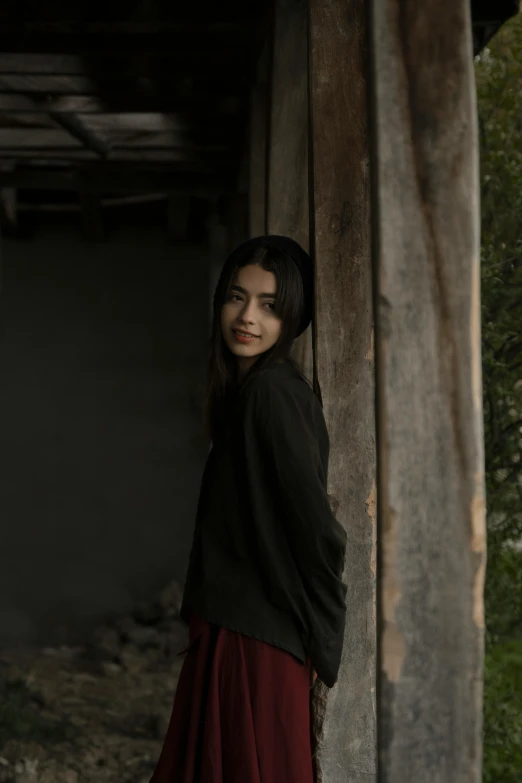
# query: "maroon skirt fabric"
[241,713]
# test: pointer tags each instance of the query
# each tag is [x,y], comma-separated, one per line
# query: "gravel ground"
[98,712]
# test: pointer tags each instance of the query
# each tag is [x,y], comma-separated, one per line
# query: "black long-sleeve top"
[267,556]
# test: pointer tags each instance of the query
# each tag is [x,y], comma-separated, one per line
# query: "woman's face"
[250,309]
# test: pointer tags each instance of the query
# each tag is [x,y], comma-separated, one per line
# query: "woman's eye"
[238,298]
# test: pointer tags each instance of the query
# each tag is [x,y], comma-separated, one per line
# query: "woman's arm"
[285,443]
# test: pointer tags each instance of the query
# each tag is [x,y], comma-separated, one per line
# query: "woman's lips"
[243,338]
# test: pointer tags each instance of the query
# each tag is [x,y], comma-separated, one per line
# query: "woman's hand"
[314,676]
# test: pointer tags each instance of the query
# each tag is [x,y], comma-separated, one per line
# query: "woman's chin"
[245,350]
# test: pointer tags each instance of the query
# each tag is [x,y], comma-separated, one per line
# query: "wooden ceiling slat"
[77,155]
[43,138]
[76,127]
[218,104]
[138,121]
[144,121]
[186,63]
[20,138]
[71,103]
[46,83]
[121,179]
[156,38]
[52,64]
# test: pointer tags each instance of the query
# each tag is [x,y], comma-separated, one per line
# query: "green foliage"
[502,713]
[499,90]
[20,718]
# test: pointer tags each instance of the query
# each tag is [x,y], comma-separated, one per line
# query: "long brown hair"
[222,364]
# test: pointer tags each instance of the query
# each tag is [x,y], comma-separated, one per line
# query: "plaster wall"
[102,365]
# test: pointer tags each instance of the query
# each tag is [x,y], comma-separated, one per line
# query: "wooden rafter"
[157,38]
[89,138]
[123,178]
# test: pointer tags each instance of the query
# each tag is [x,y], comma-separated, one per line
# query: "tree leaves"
[499,90]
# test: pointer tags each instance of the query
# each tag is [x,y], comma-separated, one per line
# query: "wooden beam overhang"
[90,139]
[170,88]
[121,178]
[487,17]
[88,89]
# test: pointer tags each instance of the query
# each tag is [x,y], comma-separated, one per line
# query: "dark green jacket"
[268,554]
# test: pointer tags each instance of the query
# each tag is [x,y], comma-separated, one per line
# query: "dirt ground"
[97,712]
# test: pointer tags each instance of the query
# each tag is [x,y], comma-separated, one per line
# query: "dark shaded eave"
[488,16]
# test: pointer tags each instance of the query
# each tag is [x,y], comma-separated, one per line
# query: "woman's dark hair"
[222,364]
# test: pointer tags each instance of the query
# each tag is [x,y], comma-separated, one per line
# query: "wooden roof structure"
[362,145]
[154,97]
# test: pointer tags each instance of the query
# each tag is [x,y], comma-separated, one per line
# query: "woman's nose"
[248,310]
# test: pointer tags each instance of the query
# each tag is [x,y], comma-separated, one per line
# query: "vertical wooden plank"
[258,172]
[257,180]
[287,203]
[344,362]
[431,487]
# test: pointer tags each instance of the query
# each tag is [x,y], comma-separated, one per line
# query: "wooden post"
[431,475]
[287,202]
[258,173]
[344,365]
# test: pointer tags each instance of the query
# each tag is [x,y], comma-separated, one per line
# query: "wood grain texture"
[344,717]
[431,488]
[257,158]
[288,203]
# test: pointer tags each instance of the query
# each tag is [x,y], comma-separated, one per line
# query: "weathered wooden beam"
[344,368]
[79,130]
[287,203]
[257,172]
[487,12]
[37,138]
[432,535]
[126,38]
[213,129]
[54,84]
[145,122]
[138,155]
[123,178]
[258,128]
[217,105]
[183,62]
[45,103]
[125,94]
[28,62]
[112,201]
[134,121]
[42,138]
[288,155]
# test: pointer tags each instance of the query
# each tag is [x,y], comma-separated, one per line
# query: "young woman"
[264,597]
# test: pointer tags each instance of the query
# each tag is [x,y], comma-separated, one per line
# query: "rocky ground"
[97,712]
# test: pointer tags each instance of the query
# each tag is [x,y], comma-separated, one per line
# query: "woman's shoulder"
[280,381]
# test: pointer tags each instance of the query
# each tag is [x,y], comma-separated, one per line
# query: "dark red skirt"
[241,713]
